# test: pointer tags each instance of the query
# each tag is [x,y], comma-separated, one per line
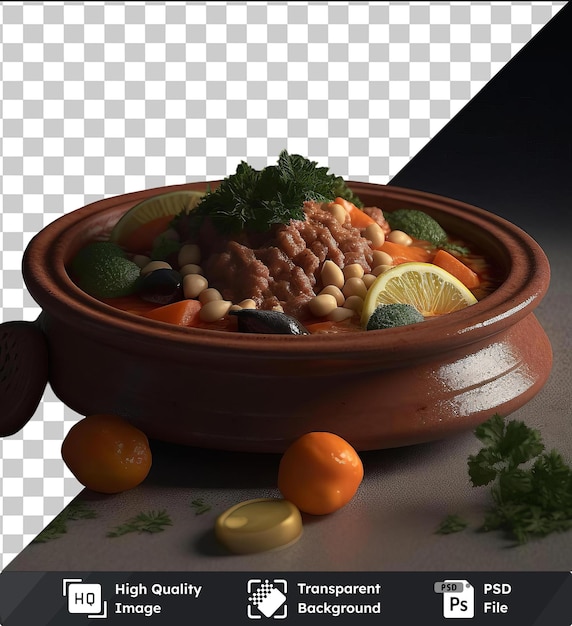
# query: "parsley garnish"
[255,200]
[200,506]
[59,525]
[531,489]
[451,524]
[151,522]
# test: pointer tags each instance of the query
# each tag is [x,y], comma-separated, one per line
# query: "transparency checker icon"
[267,598]
[84,598]
[458,598]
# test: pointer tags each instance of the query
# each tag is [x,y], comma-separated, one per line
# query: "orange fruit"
[320,472]
[106,453]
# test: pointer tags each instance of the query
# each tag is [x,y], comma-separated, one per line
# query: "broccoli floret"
[390,315]
[418,225]
[94,252]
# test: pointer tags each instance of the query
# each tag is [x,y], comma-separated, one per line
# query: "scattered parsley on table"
[151,522]
[200,506]
[59,525]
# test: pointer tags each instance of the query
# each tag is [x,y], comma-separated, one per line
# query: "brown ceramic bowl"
[234,391]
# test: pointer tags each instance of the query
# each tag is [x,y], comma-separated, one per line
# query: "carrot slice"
[320,327]
[183,313]
[404,254]
[358,218]
[457,268]
[141,239]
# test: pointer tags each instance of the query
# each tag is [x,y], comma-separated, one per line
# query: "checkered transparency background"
[100,99]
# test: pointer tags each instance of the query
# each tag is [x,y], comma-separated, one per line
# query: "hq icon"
[84,598]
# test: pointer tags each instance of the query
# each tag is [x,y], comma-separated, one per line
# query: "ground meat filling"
[285,269]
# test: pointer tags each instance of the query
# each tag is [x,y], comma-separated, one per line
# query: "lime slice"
[154,208]
[427,287]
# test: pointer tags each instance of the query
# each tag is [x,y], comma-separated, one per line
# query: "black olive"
[268,322]
[161,286]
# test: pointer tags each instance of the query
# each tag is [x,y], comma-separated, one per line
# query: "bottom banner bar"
[180,598]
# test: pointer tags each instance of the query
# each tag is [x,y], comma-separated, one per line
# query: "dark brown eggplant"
[268,322]
[161,286]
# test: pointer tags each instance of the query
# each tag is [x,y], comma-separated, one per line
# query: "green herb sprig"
[532,501]
[255,200]
[76,510]
[151,522]
[530,488]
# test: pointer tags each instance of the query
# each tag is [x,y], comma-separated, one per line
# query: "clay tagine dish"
[258,392]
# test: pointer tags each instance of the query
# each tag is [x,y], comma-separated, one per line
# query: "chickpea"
[381,258]
[209,294]
[214,310]
[322,305]
[247,304]
[398,236]
[375,234]
[338,211]
[155,265]
[368,280]
[380,269]
[334,291]
[354,287]
[190,268]
[332,274]
[353,269]
[193,285]
[189,253]
[355,303]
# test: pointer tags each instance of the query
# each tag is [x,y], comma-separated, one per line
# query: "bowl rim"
[527,281]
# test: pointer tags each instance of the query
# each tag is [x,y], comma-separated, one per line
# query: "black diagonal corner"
[509,149]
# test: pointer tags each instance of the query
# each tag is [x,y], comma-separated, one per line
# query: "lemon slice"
[155,208]
[429,288]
